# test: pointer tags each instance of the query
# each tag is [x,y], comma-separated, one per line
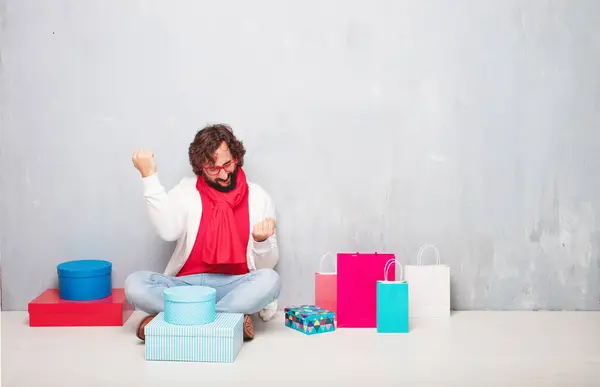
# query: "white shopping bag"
[429,287]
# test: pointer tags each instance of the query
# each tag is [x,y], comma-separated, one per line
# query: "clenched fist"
[143,160]
[263,230]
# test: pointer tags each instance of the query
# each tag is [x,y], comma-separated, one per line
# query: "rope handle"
[321,263]
[387,267]
[422,250]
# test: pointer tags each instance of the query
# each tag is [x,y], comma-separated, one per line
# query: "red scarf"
[225,225]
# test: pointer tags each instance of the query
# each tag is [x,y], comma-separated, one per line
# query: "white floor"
[507,349]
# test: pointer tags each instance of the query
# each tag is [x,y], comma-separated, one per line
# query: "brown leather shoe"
[140,331]
[248,328]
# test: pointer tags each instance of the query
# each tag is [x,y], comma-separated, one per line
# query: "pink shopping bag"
[326,288]
[357,276]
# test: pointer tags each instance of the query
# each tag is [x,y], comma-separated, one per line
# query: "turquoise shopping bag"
[392,302]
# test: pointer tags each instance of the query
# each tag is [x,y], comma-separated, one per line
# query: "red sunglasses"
[215,170]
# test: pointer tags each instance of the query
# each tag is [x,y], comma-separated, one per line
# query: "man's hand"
[143,161]
[263,230]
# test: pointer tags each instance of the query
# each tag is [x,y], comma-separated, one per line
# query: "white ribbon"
[422,250]
[321,264]
[387,267]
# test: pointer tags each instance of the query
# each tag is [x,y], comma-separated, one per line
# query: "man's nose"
[222,174]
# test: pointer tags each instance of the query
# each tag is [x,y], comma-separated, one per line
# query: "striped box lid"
[222,326]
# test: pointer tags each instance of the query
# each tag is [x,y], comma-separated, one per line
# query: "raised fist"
[143,161]
[263,230]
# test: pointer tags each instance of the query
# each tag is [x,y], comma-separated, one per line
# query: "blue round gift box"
[84,280]
[190,305]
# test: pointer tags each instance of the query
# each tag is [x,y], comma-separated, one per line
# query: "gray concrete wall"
[379,125]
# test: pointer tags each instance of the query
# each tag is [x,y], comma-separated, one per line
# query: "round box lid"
[190,294]
[84,268]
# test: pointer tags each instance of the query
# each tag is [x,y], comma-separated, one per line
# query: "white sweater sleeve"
[165,208]
[266,253]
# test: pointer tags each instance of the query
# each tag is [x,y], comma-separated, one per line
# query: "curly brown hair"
[207,141]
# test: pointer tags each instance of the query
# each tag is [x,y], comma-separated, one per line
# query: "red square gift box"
[48,310]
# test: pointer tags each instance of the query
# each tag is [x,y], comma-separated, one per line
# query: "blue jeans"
[248,293]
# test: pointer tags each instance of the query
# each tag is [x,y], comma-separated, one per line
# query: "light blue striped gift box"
[216,342]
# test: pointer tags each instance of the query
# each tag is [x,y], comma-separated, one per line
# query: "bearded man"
[224,226]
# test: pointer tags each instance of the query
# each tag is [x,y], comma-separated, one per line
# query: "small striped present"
[309,319]
[217,342]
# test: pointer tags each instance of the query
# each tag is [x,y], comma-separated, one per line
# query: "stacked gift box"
[190,330]
[84,297]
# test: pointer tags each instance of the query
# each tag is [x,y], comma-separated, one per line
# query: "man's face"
[221,175]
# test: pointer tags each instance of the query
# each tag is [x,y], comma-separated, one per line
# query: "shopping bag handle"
[387,267]
[321,263]
[422,250]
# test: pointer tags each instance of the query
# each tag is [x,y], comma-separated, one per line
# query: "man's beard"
[232,182]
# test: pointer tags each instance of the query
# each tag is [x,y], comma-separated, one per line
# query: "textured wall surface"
[375,126]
